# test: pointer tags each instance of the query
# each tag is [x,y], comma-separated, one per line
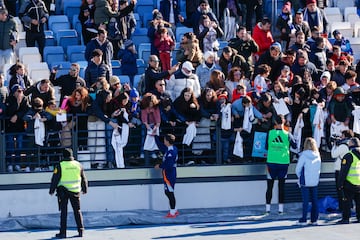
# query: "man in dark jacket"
[8,34]
[230,58]
[69,180]
[68,82]
[153,73]
[100,42]
[34,17]
[43,90]
[96,69]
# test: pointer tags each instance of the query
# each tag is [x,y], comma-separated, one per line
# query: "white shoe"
[27,169]
[153,156]
[10,168]
[142,156]
[189,163]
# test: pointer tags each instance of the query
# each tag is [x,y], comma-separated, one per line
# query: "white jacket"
[308,168]
[174,85]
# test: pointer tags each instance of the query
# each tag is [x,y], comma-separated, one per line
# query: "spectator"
[245,45]
[308,173]
[315,16]
[339,75]
[184,78]
[100,42]
[96,69]
[285,25]
[190,50]
[115,86]
[208,34]
[121,28]
[230,58]
[194,21]
[150,116]
[128,57]
[34,16]
[318,55]
[191,7]
[19,76]
[303,66]
[69,82]
[170,9]
[261,80]
[103,13]
[342,42]
[262,36]
[267,110]
[86,17]
[300,39]
[204,70]
[235,78]
[272,57]
[153,73]
[216,82]
[155,25]
[8,30]
[164,45]
[350,81]
[42,90]
[17,106]
[4,94]
[160,91]
[300,25]
[251,8]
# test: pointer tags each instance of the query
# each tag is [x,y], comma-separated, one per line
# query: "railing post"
[218,143]
[2,146]
[74,136]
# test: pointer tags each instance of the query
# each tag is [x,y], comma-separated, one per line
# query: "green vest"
[353,175]
[278,147]
[70,176]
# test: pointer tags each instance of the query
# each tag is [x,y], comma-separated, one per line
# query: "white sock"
[172,211]
[267,207]
[281,207]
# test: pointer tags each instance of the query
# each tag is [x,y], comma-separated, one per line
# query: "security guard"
[69,180]
[349,180]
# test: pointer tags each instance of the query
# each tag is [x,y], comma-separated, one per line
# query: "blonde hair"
[310,144]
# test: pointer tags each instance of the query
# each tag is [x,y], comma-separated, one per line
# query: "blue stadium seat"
[116,67]
[53,54]
[140,36]
[66,38]
[144,51]
[75,53]
[137,79]
[180,31]
[146,18]
[76,24]
[124,79]
[141,66]
[83,66]
[63,67]
[71,8]
[58,22]
[49,38]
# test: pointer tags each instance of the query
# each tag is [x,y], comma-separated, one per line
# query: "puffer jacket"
[179,81]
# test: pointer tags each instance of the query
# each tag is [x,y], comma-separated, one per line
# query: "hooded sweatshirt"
[308,168]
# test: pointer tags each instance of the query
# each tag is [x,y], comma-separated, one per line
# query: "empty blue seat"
[146,18]
[124,79]
[140,36]
[53,54]
[144,51]
[75,53]
[76,24]
[71,8]
[63,67]
[137,79]
[180,31]
[141,66]
[58,22]
[116,67]
[66,38]
[83,66]
[49,38]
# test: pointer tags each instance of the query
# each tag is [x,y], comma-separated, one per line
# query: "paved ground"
[204,224]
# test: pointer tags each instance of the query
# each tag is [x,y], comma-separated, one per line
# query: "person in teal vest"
[278,160]
[349,180]
[69,180]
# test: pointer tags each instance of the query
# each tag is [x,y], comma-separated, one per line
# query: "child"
[135,107]
[308,172]
[164,44]
[260,84]
[168,167]
[238,92]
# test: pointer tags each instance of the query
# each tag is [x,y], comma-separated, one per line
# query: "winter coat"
[203,72]
[179,81]
[308,168]
[262,39]
[236,60]
[8,33]
[13,108]
[93,72]
[128,62]
[35,11]
[103,12]
[106,48]
[35,92]
[165,10]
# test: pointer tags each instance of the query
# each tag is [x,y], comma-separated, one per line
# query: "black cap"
[67,153]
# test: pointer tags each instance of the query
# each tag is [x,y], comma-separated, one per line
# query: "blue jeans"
[14,146]
[225,145]
[310,194]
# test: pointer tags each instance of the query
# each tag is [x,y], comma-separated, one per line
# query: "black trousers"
[64,196]
[351,192]
[32,37]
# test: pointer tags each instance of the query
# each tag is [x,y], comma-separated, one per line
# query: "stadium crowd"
[240,88]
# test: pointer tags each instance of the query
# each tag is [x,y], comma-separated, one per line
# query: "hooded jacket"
[308,168]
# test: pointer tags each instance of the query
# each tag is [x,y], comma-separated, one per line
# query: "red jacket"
[263,39]
[165,45]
